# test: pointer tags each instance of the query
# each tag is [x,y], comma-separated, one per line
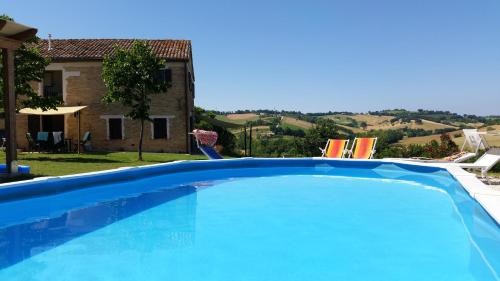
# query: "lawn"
[45,164]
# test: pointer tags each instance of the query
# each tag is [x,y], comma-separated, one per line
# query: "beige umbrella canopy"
[60,110]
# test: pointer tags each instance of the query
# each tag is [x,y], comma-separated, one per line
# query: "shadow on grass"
[73,160]
[147,161]
[6,179]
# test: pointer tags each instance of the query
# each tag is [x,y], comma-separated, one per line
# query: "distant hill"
[418,126]
[296,134]
[295,123]
[458,137]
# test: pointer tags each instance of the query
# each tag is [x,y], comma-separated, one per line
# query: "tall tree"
[29,66]
[131,77]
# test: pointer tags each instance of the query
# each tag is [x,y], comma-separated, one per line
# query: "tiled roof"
[96,49]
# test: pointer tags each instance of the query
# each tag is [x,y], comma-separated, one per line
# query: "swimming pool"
[248,219]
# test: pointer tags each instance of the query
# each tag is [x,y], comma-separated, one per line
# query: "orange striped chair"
[335,148]
[363,148]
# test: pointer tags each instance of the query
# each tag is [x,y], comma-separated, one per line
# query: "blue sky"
[311,56]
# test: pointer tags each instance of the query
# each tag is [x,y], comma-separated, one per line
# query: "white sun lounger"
[485,162]
[473,140]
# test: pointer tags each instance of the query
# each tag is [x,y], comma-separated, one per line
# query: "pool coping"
[487,197]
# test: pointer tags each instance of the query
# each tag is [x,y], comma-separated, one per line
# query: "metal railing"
[50,91]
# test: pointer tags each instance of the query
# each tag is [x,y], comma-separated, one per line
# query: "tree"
[318,135]
[131,77]
[29,66]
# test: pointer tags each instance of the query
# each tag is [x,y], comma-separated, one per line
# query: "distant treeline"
[285,141]
[445,117]
[282,112]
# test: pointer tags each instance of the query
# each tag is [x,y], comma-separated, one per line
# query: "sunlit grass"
[57,164]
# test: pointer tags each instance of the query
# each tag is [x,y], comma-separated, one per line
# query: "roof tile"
[96,49]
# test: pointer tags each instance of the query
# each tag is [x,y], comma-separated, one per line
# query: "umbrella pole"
[78,113]
[9,104]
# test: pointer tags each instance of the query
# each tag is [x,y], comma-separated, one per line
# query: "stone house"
[75,74]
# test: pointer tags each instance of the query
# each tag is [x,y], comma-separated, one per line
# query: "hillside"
[296,134]
[361,123]
[424,125]
[418,127]
[457,137]
[295,123]
[426,139]
[239,119]
[383,122]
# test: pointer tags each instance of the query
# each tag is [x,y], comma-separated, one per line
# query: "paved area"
[493,182]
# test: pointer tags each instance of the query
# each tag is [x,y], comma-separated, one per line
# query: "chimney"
[50,42]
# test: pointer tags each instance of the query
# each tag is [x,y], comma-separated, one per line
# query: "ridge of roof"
[96,49]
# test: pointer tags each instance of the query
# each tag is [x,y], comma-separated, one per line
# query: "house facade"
[75,74]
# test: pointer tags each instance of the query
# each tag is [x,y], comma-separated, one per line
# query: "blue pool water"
[319,221]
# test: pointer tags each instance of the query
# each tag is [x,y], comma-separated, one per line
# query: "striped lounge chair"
[335,148]
[362,148]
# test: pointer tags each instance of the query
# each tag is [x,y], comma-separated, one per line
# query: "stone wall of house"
[83,85]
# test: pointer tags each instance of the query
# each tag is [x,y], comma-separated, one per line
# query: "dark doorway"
[53,123]
[115,128]
[33,125]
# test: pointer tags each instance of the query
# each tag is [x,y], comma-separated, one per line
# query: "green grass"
[340,119]
[291,126]
[48,164]
[494,174]
[294,123]
[224,118]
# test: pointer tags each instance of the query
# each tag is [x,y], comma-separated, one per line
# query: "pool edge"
[488,198]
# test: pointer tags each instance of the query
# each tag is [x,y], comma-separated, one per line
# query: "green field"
[291,126]
[352,121]
[382,122]
[294,123]
[45,164]
[224,118]
[238,119]
[256,131]
[341,119]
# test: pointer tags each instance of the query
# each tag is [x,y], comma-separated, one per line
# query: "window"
[53,84]
[164,75]
[115,128]
[160,128]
